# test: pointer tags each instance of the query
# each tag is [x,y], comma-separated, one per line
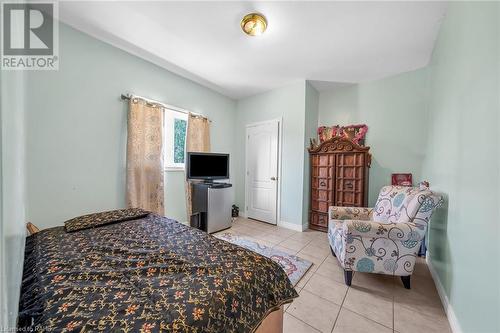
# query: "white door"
[262,171]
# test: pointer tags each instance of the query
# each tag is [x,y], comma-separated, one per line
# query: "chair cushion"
[396,204]
[335,229]
[349,213]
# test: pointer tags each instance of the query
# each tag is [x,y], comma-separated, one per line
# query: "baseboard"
[283,224]
[291,226]
[452,318]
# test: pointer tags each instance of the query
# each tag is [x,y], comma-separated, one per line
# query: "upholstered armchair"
[384,239]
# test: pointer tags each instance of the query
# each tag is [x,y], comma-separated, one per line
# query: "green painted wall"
[441,123]
[311,131]
[463,162]
[12,194]
[395,110]
[443,120]
[289,103]
[76,128]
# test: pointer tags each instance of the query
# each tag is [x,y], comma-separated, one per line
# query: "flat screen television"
[207,166]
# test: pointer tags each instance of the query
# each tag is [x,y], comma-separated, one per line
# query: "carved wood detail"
[339,177]
[337,144]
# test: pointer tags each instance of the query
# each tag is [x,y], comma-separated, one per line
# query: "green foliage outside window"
[179,140]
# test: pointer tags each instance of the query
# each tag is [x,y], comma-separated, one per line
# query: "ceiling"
[330,43]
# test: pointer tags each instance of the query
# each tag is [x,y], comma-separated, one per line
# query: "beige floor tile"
[315,251]
[422,296]
[305,278]
[314,232]
[423,284]
[294,244]
[321,238]
[314,311]
[238,220]
[244,230]
[371,305]
[350,322]
[303,240]
[380,283]
[261,241]
[315,260]
[303,235]
[236,226]
[322,242]
[263,227]
[331,258]
[254,224]
[368,305]
[326,288]
[283,232]
[285,249]
[227,231]
[332,270]
[261,235]
[250,230]
[421,269]
[407,320]
[271,238]
[294,325]
[419,302]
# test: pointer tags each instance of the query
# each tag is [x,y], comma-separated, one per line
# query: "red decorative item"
[355,133]
[326,133]
[402,179]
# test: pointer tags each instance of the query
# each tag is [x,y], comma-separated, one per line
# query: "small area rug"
[295,267]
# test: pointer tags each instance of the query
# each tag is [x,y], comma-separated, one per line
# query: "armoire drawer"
[318,219]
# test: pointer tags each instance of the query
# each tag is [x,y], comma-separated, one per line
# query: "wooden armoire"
[339,177]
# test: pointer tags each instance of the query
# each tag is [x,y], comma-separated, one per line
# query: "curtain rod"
[163,105]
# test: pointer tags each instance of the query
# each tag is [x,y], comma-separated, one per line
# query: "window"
[175,139]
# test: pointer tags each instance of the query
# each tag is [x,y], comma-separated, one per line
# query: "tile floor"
[374,303]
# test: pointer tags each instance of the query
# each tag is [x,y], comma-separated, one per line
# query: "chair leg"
[406,281]
[347,277]
[333,252]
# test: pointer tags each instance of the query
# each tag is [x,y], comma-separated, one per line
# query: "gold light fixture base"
[254,24]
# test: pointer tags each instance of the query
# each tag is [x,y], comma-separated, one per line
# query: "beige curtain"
[197,140]
[145,157]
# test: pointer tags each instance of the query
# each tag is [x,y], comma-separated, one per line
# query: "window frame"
[169,142]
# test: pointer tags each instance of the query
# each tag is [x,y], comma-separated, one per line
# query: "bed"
[147,275]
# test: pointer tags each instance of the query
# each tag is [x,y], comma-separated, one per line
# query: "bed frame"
[273,323]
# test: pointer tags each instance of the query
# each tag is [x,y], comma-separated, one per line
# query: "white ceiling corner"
[331,44]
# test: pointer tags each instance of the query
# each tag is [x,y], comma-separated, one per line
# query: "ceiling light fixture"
[254,24]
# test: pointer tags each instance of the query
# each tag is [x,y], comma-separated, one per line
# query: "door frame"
[279,121]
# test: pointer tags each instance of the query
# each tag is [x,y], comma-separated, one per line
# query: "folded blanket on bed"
[149,274]
[99,219]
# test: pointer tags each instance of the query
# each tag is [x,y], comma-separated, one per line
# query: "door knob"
[273,178]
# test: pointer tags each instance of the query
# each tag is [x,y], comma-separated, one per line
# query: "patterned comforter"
[147,275]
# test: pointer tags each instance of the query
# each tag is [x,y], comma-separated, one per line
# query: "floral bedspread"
[147,275]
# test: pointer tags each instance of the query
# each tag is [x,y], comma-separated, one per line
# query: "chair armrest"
[405,232]
[349,213]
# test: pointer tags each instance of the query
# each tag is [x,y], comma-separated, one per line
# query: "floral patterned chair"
[385,239]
